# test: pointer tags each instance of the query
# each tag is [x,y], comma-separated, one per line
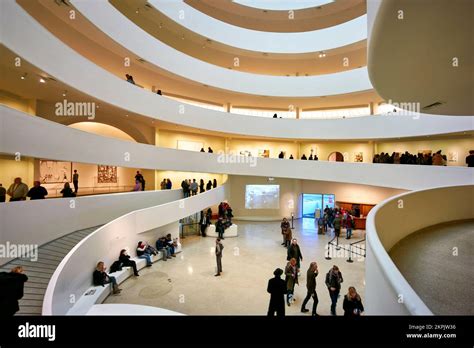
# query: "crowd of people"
[191,187]
[436,159]
[279,288]
[166,245]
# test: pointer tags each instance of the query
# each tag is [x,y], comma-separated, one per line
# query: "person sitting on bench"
[124,258]
[101,278]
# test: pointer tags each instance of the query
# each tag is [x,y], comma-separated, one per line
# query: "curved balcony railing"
[387,292]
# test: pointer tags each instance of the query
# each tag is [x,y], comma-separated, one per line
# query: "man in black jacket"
[277,288]
[11,290]
[333,282]
[294,251]
[37,191]
[311,287]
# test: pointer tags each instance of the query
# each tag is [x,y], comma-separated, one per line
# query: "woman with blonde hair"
[101,278]
[352,303]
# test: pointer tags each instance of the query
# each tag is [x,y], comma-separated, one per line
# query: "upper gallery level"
[348,85]
[273,15]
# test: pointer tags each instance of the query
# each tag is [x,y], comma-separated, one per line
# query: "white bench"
[98,294]
[232,231]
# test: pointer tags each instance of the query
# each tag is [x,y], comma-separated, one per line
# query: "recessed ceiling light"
[42,80]
[137,11]
[126,115]
[182,37]
[97,106]
[64,93]
[161,25]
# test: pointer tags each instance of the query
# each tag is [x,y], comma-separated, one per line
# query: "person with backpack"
[219,249]
[333,283]
[277,289]
[12,286]
[101,278]
[352,304]
[124,258]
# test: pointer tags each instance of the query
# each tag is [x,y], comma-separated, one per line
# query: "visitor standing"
[12,285]
[75,181]
[294,252]
[201,186]
[3,194]
[17,191]
[209,185]
[277,290]
[37,191]
[219,249]
[214,183]
[285,228]
[194,188]
[470,159]
[139,177]
[67,191]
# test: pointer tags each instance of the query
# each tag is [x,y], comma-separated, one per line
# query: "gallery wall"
[348,149]
[291,191]
[10,169]
[169,139]
[177,177]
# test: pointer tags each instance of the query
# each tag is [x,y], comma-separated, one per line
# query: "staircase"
[39,272]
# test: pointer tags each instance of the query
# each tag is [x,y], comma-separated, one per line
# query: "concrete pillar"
[298,110]
[228,106]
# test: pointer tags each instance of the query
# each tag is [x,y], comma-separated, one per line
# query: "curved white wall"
[123,31]
[39,222]
[304,42]
[74,274]
[82,147]
[27,38]
[386,290]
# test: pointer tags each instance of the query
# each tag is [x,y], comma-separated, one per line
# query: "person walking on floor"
[277,290]
[291,273]
[333,282]
[352,304]
[311,275]
[219,249]
[75,181]
[349,222]
[294,252]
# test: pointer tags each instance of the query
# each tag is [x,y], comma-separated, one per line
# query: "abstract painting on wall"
[106,174]
[358,157]
[54,172]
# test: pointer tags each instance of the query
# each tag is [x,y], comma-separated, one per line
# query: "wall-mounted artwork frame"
[55,172]
[107,174]
[189,145]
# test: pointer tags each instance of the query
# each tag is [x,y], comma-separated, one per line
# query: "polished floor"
[186,284]
[438,263]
